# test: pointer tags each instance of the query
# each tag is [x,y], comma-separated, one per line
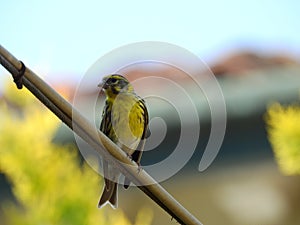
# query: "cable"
[94,137]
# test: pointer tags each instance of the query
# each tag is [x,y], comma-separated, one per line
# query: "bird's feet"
[139,167]
[129,156]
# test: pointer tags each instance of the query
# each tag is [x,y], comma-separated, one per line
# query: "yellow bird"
[125,122]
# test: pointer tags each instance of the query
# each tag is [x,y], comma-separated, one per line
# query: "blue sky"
[66,37]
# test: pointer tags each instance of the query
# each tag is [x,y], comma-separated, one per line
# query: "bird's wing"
[137,155]
[104,128]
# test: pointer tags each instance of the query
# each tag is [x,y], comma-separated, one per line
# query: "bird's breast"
[127,122]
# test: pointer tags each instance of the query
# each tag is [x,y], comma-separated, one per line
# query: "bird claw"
[129,156]
[139,167]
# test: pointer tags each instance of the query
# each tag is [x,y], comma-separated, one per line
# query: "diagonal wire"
[95,138]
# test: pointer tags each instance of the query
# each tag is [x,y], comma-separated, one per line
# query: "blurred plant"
[47,180]
[283,126]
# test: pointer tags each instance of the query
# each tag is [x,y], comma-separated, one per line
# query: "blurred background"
[252,47]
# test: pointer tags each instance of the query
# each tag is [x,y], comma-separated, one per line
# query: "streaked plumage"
[125,122]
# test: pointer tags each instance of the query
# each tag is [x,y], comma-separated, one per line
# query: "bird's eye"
[113,80]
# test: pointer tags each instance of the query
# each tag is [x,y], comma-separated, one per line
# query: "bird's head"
[114,84]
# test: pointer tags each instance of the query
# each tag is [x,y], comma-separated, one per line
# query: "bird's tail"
[109,195]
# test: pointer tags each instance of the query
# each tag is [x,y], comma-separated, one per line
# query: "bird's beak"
[103,84]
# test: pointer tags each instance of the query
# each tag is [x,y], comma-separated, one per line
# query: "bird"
[125,122]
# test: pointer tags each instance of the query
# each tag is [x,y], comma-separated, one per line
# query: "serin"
[125,122]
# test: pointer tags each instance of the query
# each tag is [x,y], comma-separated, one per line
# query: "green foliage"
[284,135]
[47,180]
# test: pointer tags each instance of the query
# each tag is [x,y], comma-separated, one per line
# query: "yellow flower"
[284,135]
